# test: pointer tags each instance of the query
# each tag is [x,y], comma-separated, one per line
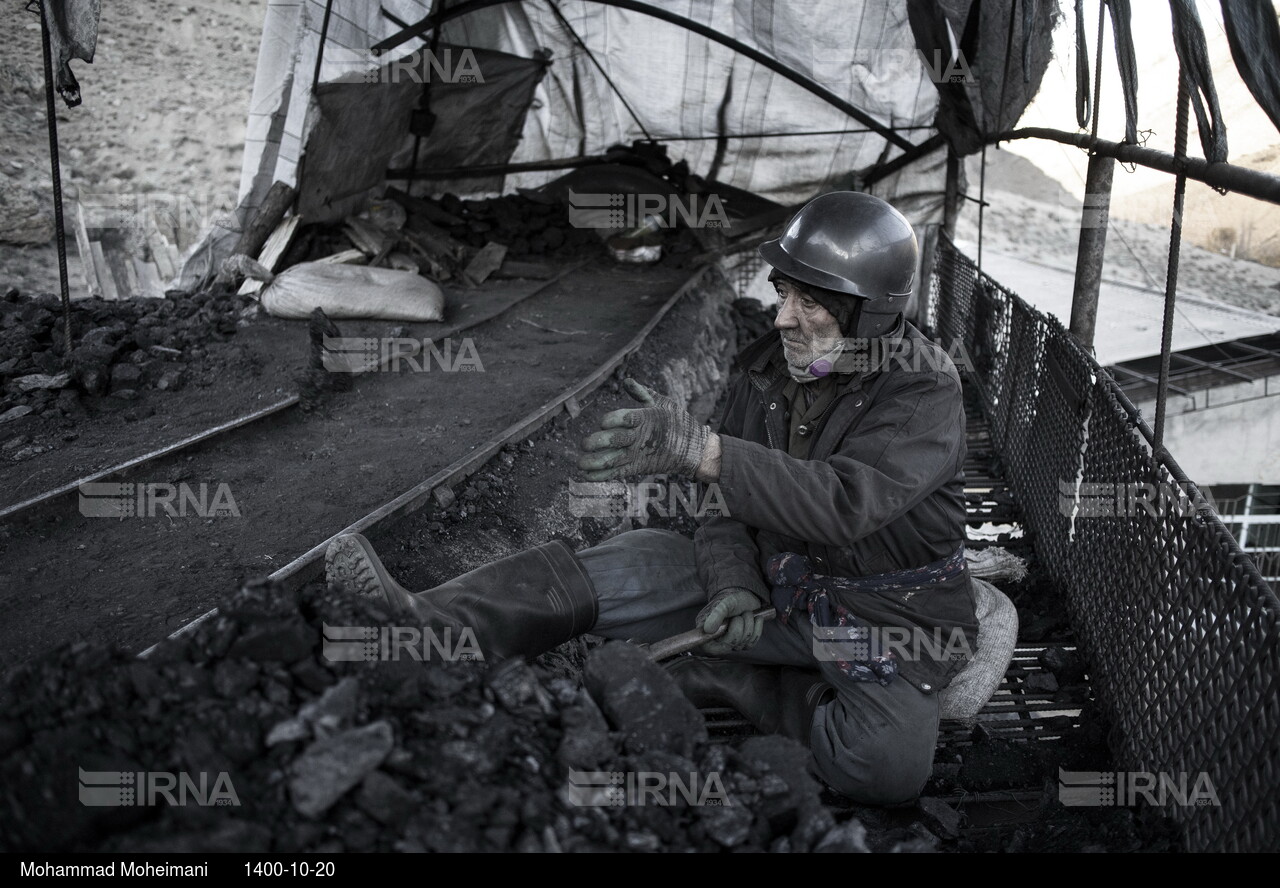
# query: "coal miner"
[839,461]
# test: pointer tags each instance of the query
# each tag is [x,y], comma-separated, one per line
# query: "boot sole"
[351,562]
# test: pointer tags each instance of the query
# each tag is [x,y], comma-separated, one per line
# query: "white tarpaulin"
[682,87]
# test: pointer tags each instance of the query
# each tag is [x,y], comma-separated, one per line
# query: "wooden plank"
[277,202]
[105,279]
[118,255]
[273,251]
[486,261]
[161,253]
[149,284]
[86,253]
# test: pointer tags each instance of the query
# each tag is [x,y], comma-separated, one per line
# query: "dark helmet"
[850,244]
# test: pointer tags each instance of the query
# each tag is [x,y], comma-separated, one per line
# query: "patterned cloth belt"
[795,585]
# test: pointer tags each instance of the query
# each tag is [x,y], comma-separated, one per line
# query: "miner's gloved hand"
[658,438]
[734,608]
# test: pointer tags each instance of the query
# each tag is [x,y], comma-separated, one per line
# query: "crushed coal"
[286,749]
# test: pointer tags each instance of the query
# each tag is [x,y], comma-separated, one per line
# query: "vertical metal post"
[1094,217]
[982,202]
[55,169]
[953,199]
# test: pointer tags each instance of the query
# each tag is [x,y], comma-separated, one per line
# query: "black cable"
[324,35]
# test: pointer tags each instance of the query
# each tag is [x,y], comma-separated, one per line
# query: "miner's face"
[808,330]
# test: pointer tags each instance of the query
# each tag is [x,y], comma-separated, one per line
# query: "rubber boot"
[524,604]
[775,699]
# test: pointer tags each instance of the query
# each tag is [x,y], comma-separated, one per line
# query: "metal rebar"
[324,35]
[55,170]
[1171,276]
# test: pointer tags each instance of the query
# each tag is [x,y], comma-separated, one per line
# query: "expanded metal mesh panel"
[1181,632]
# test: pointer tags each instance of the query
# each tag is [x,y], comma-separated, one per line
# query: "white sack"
[352,291]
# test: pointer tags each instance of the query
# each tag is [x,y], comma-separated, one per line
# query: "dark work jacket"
[882,491]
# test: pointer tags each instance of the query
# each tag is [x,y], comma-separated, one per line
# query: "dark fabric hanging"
[1254,38]
[1121,27]
[73,34]
[982,91]
[1084,97]
[1193,54]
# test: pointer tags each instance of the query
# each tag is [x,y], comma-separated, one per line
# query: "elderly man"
[839,462]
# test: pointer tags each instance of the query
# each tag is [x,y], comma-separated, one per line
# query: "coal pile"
[441,236]
[119,350]
[299,752]
[283,748]
[528,228]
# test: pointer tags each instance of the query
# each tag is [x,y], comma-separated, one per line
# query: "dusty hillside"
[163,116]
[1014,174]
[1231,224]
[1031,216]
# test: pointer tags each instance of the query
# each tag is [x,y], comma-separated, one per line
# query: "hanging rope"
[1171,276]
[1126,61]
[1193,58]
[1097,67]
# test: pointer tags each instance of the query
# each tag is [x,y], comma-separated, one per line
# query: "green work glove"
[734,608]
[658,438]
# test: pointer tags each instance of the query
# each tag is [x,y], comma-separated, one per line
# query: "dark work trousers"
[872,743]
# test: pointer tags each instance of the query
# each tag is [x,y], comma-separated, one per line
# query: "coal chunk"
[642,701]
[332,766]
